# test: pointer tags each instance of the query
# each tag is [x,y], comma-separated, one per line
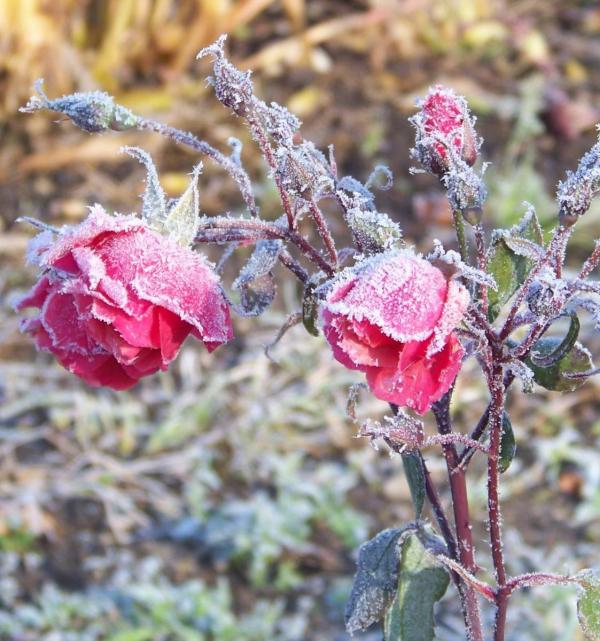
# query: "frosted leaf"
[524,247]
[401,430]
[255,282]
[465,186]
[375,580]
[373,231]
[93,111]
[452,259]
[279,122]
[353,193]
[183,218]
[590,305]
[523,372]
[154,205]
[374,180]
[304,171]
[351,401]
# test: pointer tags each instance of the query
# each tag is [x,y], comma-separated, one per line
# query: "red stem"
[497,391]
[462,521]
[323,231]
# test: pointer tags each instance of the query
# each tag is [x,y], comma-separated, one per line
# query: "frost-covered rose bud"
[444,130]
[392,316]
[117,299]
[574,195]
[92,111]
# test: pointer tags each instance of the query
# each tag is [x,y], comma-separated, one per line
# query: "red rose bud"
[117,299]
[393,317]
[444,131]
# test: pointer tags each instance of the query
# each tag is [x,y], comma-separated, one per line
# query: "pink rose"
[444,121]
[117,299]
[393,317]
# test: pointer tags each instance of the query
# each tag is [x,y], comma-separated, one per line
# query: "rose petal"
[420,381]
[169,275]
[359,343]
[457,301]
[36,296]
[61,321]
[402,294]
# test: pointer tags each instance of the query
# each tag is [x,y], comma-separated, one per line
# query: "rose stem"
[189,140]
[459,226]
[462,522]
[497,391]
[323,231]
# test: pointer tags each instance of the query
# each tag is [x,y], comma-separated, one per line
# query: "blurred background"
[224,500]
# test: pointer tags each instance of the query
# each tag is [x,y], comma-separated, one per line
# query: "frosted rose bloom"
[393,317]
[117,299]
[444,121]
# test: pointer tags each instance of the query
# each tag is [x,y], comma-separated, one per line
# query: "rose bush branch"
[118,294]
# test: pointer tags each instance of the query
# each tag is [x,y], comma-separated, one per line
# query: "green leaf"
[421,583]
[508,267]
[375,581]
[415,475]
[508,446]
[565,346]
[554,377]
[588,604]
[183,219]
[310,307]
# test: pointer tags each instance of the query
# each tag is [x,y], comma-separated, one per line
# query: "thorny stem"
[286,259]
[591,263]
[263,142]
[481,265]
[481,426]
[323,231]
[468,596]
[458,487]
[260,228]
[539,578]
[460,504]
[496,409]
[459,225]
[188,139]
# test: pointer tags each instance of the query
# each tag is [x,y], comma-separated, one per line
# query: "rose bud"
[444,129]
[392,316]
[117,299]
